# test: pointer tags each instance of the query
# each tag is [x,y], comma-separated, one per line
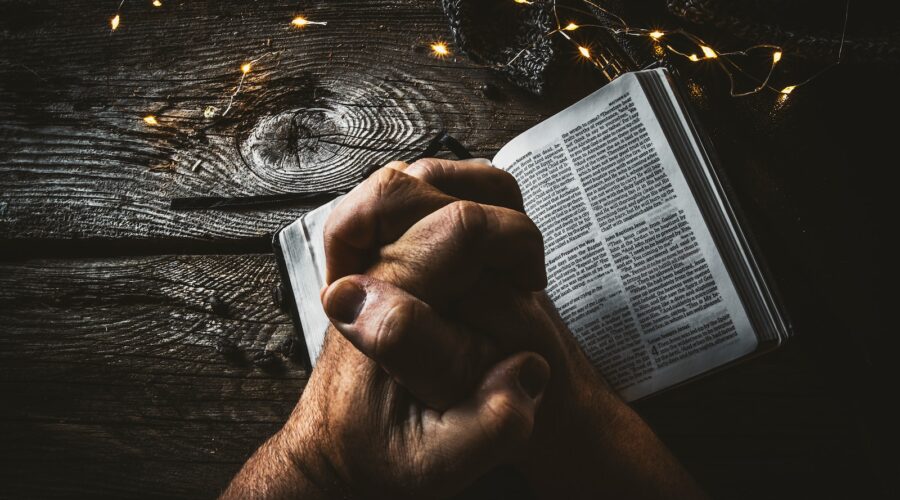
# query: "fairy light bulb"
[787,90]
[157,3]
[527,2]
[776,56]
[693,57]
[656,35]
[584,51]
[151,120]
[440,49]
[571,27]
[302,22]
[114,22]
[708,52]
[246,67]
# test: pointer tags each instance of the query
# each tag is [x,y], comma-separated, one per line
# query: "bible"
[646,258]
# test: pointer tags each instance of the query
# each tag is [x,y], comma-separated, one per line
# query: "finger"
[376,212]
[382,208]
[397,165]
[436,361]
[492,427]
[444,254]
[474,180]
[517,320]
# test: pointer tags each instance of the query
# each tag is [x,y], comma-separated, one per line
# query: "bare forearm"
[597,446]
[273,473]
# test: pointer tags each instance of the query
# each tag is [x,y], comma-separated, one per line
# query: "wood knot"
[289,141]
[324,142]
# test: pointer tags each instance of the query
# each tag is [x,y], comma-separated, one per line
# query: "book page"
[303,246]
[632,266]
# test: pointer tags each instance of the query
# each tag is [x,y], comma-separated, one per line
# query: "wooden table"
[142,353]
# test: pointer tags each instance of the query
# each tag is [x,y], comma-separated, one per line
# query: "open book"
[646,261]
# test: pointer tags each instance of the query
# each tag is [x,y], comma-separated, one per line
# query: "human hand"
[467,267]
[327,447]
[356,431]
[464,278]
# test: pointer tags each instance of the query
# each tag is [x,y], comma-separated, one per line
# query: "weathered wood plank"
[111,377]
[112,385]
[77,161]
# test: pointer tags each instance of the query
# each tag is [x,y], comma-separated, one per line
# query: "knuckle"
[431,168]
[530,234]
[467,217]
[388,182]
[394,331]
[508,182]
[506,423]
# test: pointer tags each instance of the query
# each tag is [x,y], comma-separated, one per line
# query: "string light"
[116,19]
[302,22]
[440,49]
[210,111]
[245,70]
[722,59]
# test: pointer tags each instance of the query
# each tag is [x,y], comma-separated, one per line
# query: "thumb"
[495,424]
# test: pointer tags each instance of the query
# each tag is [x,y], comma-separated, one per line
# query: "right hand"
[463,274]
[458,268]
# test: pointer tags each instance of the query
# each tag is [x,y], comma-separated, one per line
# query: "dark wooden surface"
[141,352]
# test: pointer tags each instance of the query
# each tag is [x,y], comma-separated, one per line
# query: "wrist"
[278,471]
[306,445]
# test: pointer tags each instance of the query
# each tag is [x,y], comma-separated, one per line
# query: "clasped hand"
[445,358]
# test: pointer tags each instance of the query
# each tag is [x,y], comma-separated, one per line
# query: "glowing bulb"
[708,52]
[584,51]
[571,27]
[656,35]
[524,1]
[114,22]
[157,3]
[787,90]
[151,120]
[693,57]
[300,21]
[776,56]
[440,49]
[245,68]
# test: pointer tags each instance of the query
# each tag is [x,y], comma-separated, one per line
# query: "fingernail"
[533,376]
[482,160]
[345,301]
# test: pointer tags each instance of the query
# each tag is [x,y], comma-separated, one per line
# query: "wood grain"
[324,102]
[113,385]
[113,381]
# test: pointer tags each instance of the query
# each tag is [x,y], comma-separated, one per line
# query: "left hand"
[357,431]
